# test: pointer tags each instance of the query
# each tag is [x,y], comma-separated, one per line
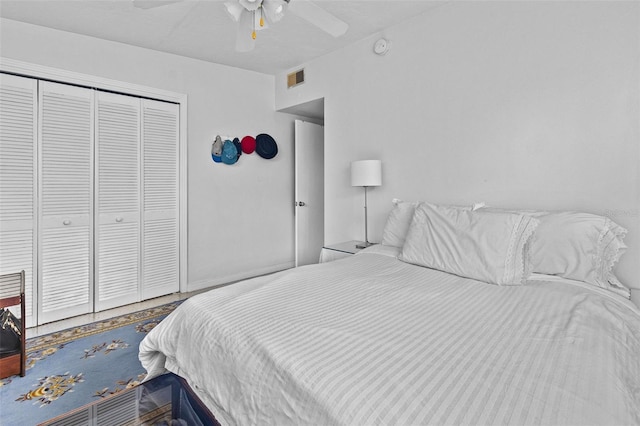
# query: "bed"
[378,338]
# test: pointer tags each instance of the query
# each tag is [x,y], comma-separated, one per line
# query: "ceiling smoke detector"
[381,46]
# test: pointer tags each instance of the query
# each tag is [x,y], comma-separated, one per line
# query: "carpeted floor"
[77,366]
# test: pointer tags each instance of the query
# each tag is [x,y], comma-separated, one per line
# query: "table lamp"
[366,173]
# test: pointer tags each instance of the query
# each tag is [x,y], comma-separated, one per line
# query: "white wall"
[518,104]
[240,217]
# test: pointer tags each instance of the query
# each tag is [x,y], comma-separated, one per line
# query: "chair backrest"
[11,294]
[11,289]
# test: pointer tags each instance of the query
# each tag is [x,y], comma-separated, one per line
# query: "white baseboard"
[228,279]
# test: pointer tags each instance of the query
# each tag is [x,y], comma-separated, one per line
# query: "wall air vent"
[295,78]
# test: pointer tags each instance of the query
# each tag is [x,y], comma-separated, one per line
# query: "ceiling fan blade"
[149,4]
[319,17]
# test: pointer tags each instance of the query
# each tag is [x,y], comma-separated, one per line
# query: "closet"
[88,196]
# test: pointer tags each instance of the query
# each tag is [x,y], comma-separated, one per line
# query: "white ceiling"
[202,29]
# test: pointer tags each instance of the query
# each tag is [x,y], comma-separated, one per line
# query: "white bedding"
[372,340]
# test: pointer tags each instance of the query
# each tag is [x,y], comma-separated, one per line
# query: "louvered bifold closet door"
[117,238]
[18,165]
[160,256]
[66,201]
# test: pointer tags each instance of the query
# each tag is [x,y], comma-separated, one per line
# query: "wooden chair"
[13,362]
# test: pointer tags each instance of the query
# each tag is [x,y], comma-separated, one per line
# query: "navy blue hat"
[266,146]
[236,142]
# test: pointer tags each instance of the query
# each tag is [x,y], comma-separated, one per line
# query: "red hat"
[248,144]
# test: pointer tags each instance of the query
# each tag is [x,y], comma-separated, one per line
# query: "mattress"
[371,340]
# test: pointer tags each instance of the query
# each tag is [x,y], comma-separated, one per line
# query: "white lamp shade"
[274,9]
[366,173]
[234,9]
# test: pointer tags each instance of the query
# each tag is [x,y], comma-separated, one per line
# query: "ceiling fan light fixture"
[255,15]
[234,9]
[274,9]
[250,5]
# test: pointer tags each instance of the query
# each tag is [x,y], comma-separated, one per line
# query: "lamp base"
[364,245]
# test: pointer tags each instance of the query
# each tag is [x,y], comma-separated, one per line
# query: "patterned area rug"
[77,366]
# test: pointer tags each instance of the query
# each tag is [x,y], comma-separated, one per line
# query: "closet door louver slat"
[18,143]
[117,200]
[160,255]
[66,201]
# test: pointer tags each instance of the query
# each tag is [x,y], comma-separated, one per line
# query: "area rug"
[77,366]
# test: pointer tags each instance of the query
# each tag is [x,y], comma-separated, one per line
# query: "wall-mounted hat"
[236,142]
[266,146]
[216,149]
[248,144]
[229,152]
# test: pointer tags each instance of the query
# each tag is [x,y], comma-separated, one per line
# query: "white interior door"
[309,192]
[66,201]
[160,160]
[18,165]
[117,201]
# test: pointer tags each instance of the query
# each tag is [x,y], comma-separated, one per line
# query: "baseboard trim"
[233,278]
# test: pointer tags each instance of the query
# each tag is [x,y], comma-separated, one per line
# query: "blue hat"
[229,152]
[266,146]
[216,149]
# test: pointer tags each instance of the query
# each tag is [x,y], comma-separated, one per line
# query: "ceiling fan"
[256,15]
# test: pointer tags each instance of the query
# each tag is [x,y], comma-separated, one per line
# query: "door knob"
[301,203]
[66,222]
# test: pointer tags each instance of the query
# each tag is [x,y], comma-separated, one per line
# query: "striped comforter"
[372,340]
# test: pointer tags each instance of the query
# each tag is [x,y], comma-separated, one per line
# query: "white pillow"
[579,246]
[576,245]
[485,246]
[398,221]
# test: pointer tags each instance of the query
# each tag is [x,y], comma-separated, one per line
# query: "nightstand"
[338,251]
